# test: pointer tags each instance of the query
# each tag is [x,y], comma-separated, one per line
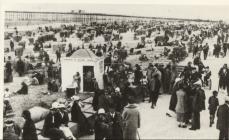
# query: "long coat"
[223,78]
[223,117]
[78,117]
[131,119]
[198,103]
[181,102]
[29,131]
[117,122]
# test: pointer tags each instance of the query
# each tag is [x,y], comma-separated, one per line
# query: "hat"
[55,105]
[226,98]
[61,106]
[75,98]
[198,83]
[101,111]
[117,89]
[61,101]
[9,122]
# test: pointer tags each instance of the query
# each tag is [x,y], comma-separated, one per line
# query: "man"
[107,63]
[137,74]
[116,121]
[11,45]
[149,72]
[223,77]
[195,50]
[205,50]
[223,120]
[58,55]
[20,67]
[198,104]
[155,85]
[225,47]
[103,101]
[117,98]
[131,120]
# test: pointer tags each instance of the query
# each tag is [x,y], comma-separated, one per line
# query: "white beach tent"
[82,61]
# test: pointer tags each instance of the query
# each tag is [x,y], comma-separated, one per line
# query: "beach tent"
[85,62]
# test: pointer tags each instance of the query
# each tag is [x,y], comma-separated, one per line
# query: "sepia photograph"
[94,71]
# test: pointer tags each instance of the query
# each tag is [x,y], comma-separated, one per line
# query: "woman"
[29,129]
[131,119]
[78,117]
[24,89]
[77,78]
[181,106]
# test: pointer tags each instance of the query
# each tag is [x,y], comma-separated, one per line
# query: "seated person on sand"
[23,90]
[52,86]
[11,130]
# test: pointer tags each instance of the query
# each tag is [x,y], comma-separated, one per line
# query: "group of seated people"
[56,122]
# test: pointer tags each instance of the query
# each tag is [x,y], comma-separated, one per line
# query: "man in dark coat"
[116,120]
[223,76]
[155,85]
[107,62]
[20,67]
[103,101]
[11,45]
[223,120]
[225,47]
[205,50]
[198,104]
[137,74]
[58,55]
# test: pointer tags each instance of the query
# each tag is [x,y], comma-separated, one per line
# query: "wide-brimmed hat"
[61,101]
[61,106]
[75,98]
[55,105]
[101,111]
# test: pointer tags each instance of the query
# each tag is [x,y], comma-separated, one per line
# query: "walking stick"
[218,86]
[138,135]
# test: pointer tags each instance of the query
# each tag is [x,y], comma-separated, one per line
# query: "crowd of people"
[125,85]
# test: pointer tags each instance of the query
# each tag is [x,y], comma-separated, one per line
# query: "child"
[213,104]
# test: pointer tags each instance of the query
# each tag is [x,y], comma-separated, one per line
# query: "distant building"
[17,18]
